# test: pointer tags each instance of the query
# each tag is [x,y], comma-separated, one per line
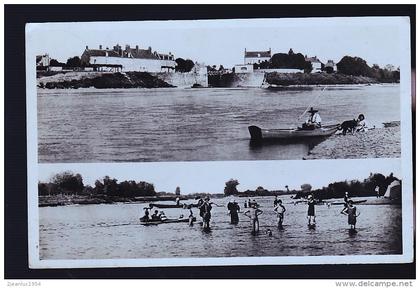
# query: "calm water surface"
[91,125]
[113,231]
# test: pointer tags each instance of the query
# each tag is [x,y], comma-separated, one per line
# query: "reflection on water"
[286,147]
[114,231]
[88,125]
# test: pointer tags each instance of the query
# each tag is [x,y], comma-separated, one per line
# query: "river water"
[110,125]
[113,231]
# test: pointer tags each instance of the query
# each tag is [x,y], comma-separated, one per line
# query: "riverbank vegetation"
[68,188]
[356,66]
[290,60]
[355,188]
[287,79]
[104,80]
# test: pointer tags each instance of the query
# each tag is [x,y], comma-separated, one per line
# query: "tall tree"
[230,188]
[74,62]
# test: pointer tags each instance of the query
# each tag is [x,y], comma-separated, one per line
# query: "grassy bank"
[77,80]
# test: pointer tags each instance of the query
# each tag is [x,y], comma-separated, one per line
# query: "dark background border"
[16,232]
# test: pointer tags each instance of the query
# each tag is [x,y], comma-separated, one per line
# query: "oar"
[217,204]
[311,105]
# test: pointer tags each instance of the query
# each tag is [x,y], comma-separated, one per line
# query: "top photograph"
[219,90]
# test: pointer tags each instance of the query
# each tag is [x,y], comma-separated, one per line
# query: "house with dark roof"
[316,64]
[252,57]
[129,59]
[331,65]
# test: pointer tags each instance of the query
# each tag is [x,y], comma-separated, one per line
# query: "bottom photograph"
[166,214]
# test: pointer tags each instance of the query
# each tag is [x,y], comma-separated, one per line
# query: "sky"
[211,176]
[215,42]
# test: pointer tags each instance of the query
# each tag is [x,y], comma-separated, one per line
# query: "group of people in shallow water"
[349,210]
[253,212]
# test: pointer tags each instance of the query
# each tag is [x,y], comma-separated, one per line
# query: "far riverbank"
[104,80]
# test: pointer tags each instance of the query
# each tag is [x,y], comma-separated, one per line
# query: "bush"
[184,65]
[74,62]
[290,61]
[68,183]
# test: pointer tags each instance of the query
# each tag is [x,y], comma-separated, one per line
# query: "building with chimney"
[316,64]
[128,59]
[256,57]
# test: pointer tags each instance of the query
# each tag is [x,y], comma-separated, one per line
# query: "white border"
[406,162]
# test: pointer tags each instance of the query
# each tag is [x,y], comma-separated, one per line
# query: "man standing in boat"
[314,120]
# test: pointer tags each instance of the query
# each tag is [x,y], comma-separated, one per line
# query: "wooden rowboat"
[258,133]
[167,221]
[184,206]
[342,202]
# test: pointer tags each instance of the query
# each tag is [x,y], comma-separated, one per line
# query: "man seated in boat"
[314,120]
[155,216]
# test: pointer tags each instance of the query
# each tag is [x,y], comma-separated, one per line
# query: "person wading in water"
[280,209]
[350,211]
[205,209]
[311,211]
[191,218]
[233,208]
[253,214]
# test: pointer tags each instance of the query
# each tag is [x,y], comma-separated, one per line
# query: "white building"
[129,59]
[316,64]
[252,57]
[43,60]
[330,63]
[245,68]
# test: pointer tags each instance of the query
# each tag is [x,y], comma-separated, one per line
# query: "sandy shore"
[375,143]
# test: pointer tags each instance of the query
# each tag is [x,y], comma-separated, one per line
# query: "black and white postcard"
[219,142]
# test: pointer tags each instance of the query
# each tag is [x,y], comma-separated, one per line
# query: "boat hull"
[258,133]
[168,221]
[184,206]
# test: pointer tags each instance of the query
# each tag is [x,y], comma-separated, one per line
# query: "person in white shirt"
[314,120]
[361,124]
[377,191]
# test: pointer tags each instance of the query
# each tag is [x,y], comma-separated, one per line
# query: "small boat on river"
[258,133]
[183,206]
[342,202]
[166,221]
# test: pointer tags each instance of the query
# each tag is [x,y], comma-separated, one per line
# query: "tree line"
[348,65]
[356,66]
[69,183]
[355,188]
[71,62]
